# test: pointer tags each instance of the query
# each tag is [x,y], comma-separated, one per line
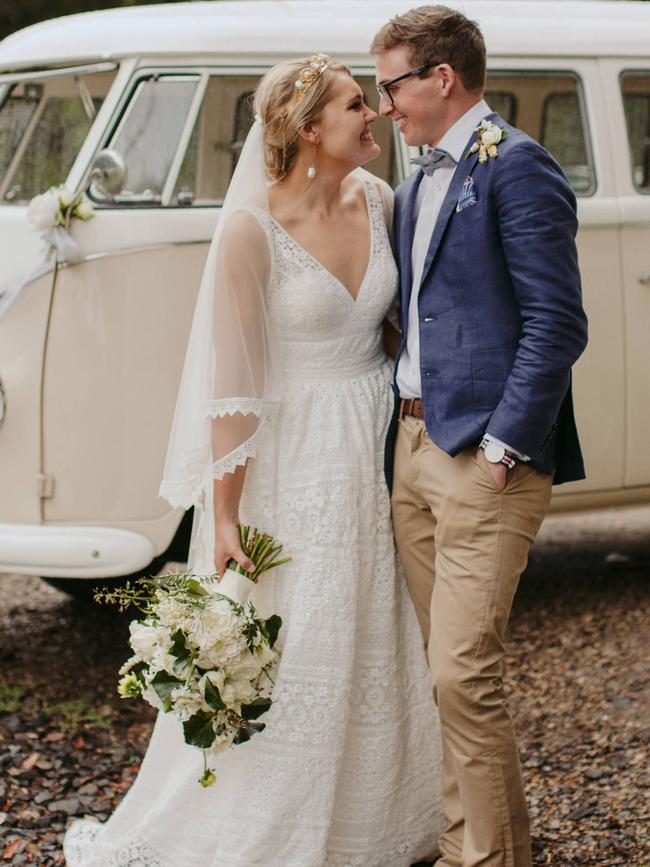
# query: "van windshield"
[43,124]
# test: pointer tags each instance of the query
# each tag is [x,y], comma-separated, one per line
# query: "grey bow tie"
[433,159]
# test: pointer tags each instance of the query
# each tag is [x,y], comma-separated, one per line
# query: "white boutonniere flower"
[488,136]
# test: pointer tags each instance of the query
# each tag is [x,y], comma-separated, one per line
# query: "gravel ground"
[579,689]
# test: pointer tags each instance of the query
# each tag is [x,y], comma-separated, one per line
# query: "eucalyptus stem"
[262,549]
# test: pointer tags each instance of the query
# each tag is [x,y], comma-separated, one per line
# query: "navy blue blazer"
[500,307]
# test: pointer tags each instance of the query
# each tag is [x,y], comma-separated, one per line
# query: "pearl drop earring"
[311,171]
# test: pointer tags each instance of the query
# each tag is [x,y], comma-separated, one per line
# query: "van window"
[42,127]
[222,124]
[636,103]
[16,114]
[149,133]
[503,103]
[220,130]
[550,108]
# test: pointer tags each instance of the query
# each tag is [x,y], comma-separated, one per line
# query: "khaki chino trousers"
[464,544]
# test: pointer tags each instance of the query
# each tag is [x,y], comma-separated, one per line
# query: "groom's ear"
[447,77]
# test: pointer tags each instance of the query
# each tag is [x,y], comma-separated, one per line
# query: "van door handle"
[644,279]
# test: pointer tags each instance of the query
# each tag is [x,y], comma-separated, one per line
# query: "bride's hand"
[228,546]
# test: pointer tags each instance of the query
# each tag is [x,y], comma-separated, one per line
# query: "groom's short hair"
[437,33]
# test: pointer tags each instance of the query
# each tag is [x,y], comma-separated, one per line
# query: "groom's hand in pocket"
[499,474]
[228,547]
[499,471]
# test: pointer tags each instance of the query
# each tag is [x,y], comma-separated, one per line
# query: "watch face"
[494,453]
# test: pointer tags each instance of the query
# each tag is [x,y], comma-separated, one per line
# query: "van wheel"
[84,588]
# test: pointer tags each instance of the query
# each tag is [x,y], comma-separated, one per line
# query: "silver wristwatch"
[496,454]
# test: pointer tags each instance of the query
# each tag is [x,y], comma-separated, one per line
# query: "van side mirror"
[107,175]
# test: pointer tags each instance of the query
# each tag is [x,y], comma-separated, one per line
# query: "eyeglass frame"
[383,88]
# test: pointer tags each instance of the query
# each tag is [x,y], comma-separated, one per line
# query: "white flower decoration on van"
[489,135]
[51,214]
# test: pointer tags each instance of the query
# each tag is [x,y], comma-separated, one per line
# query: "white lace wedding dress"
[348,770]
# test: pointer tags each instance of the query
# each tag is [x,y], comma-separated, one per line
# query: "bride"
[281,420]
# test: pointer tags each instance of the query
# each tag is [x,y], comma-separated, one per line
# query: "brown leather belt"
[411,406]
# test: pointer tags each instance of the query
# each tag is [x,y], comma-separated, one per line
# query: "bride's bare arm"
[391,332]
[227,545]
[391,339]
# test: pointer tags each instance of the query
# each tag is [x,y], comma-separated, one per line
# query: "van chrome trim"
[16,77]
[124,251]
[64,551]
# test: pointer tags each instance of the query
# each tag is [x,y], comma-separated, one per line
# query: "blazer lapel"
[407,229]
[464,168]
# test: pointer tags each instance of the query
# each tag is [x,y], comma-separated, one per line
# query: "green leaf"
[179,647]
[256,708]
[272,628]
[163,684]
[198,730]
[196,588]
[180,650]
[246,733]
[212,696]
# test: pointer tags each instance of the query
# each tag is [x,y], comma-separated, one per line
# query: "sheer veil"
[225,391]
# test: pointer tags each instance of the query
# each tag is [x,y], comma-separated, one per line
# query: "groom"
[491,321]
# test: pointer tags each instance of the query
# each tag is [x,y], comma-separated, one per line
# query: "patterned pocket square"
[467,196]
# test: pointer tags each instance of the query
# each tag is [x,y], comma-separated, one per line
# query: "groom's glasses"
[383,88]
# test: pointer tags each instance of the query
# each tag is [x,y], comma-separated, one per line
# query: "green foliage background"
[15,14]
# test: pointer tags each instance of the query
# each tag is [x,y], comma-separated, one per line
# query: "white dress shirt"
[430,196]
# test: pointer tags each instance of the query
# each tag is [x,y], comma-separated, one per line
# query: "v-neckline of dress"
[353,298]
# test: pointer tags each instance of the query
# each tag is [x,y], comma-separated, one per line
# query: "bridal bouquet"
[199,654]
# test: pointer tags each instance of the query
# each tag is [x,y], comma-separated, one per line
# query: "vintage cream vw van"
[147,109]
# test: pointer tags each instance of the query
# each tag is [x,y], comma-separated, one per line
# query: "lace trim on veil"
[196,463]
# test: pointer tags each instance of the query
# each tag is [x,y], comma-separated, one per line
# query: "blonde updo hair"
[280,127]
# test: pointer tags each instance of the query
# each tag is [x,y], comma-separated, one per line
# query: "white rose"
[228,694]
[491,136]
[84,210]
[146,640]
[246,665]
[64,196]
[43,211]
[243,691]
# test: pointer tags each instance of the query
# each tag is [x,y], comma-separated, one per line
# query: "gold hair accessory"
[307,77]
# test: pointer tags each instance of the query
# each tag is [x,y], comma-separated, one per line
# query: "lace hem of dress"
[81,849]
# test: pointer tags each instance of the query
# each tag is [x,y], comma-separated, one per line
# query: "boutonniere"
[488,136]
